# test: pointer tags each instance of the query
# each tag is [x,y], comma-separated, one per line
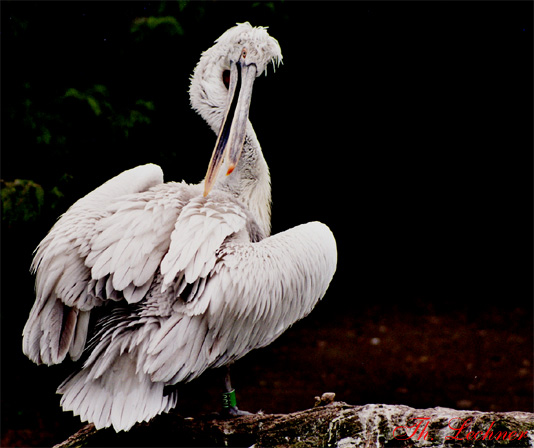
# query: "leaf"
[88,97]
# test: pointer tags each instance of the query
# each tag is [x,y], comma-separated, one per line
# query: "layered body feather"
[191,282]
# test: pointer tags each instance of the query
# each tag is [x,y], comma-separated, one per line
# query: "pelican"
[148,284]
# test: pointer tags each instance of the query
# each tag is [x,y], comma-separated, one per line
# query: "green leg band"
[229,400]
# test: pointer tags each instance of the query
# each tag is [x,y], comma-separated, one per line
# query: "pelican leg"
[229,401]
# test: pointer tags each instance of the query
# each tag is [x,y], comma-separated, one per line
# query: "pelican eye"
[226,78]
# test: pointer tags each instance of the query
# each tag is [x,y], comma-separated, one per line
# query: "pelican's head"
[243,53]
[249,45]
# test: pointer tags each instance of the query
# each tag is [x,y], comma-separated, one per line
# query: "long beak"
[232,134]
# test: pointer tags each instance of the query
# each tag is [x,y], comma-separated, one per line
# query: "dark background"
[406,127]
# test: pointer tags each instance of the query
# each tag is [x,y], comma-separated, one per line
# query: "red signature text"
[461,430]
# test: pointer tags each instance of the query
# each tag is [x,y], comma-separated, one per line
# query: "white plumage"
[184,277]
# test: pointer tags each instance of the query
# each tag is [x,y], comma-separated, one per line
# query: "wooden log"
[328,424]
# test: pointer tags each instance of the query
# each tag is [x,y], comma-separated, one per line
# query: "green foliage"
[268,5]
[18,25]
[25,201]
[38,122]
[97,98]
[168,25]
[22,200]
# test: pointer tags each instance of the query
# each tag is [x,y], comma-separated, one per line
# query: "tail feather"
[53,330]
[120,397]
[80,335]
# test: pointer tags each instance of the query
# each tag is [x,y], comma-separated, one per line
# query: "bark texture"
[328,424]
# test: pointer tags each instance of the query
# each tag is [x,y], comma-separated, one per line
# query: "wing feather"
[255,292]
[274,283]
[217,295]
[201,228]
[62,276]
[201,288]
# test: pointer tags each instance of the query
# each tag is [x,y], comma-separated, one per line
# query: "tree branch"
[79,438]
[333,424]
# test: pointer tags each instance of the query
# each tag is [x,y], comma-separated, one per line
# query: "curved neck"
[250,181]
[207,93]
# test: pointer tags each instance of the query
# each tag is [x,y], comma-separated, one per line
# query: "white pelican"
[179,278]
